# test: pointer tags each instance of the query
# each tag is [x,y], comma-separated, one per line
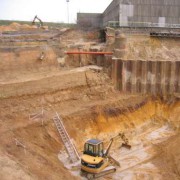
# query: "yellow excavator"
[95,161]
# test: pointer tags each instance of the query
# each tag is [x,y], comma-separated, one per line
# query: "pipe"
[110,36]
[89,52]
[107,35]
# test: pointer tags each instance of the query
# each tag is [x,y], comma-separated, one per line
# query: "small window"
[86,147]
[101,149]
[90,148]
[96,150]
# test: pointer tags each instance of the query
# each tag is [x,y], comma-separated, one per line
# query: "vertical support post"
[163,77]
[100,60]
[149,74]
[113,70]
[144,77]
[124,76]
[178,71]
[172,77]
[119,74]
[168,77]
[154,78]
[134,77]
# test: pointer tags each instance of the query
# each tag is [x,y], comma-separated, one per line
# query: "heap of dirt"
[16,27]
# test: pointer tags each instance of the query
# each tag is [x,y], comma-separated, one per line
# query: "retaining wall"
[152,77]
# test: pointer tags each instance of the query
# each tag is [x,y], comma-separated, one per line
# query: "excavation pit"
[32,91]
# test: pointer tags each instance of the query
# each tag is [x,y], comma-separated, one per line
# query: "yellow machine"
[95,160]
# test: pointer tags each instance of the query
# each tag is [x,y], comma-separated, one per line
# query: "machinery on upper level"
[40,21]
[95,160]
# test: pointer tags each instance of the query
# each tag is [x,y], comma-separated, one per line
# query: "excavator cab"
[94,147]
[92,160]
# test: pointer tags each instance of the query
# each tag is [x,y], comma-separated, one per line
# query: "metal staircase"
[71,149]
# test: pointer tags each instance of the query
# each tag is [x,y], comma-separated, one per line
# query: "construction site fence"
[117,24]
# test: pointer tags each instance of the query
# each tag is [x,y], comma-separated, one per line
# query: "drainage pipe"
[107,35]
[89,52]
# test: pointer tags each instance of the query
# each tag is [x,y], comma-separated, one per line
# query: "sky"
[49,10]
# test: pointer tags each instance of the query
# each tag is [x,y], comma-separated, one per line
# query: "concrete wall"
[159,12]
[140,13]
[155,11]
[89,20]
[111,13]
[146,77]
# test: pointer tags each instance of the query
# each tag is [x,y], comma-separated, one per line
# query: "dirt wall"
[26,59]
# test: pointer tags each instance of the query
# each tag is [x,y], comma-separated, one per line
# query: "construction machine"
[95,161]
[40,21]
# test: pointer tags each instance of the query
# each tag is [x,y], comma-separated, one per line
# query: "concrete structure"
[151,76]
[111,13]
[156,77]
[89,20]
[138,13]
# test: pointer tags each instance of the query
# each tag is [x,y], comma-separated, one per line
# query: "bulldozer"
[95,161]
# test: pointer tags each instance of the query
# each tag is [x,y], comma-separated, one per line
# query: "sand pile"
[16,27]
[5,28]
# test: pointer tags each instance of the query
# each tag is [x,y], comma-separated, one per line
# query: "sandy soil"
[154,140]
[16,27]
[94,113]
[149,48]
[91,108]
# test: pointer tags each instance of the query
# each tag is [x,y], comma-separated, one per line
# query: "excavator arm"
[40,21]
[108,148]
[124,144]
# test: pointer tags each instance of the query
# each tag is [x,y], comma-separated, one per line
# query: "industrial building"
[135,13]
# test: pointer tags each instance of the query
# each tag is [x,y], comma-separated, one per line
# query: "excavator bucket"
[127,146]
